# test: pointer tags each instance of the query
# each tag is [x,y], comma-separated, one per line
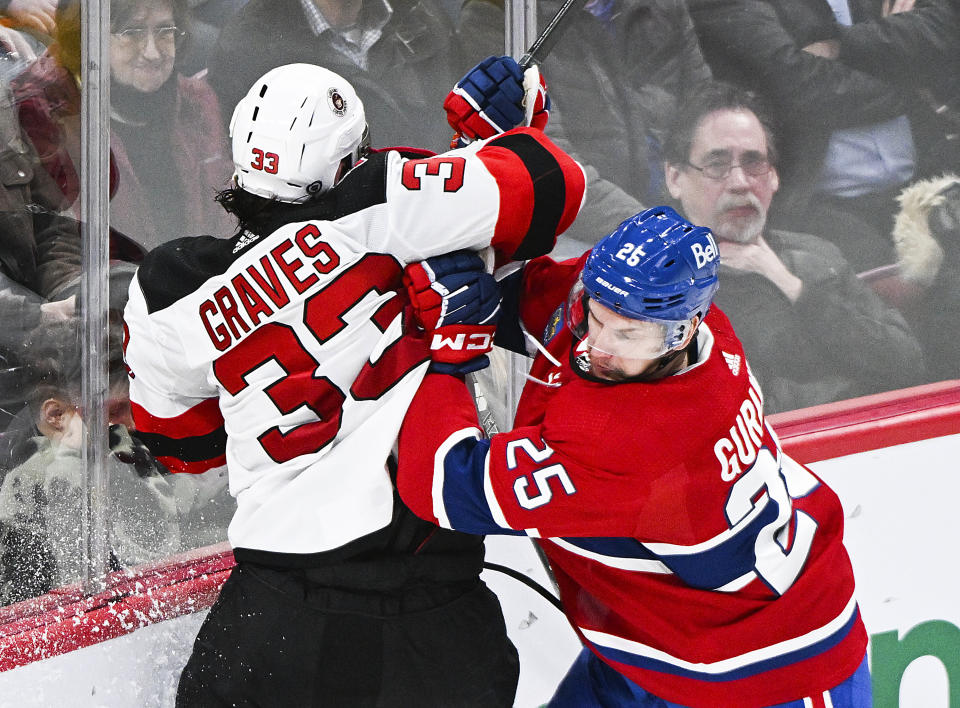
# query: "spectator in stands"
[402,57]
[169,149]
[914,46]
[615,77]
[39,254]
[851,147]
[43,497]
[814,332]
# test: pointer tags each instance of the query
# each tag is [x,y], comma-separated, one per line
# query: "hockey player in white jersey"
[278,353]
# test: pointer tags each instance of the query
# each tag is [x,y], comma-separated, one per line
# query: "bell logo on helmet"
[337,102]
[703,253]
[655,265]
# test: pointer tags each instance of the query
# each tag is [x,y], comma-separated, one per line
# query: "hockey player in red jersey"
[700,565]
[279,352]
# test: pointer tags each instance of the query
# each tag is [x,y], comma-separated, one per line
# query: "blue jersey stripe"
[464,499]
[733,558]
[613,547]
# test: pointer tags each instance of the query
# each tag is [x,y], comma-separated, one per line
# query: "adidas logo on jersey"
[733,361]
[246,238]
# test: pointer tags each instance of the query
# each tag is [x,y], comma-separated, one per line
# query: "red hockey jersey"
[281,355]
[692,554]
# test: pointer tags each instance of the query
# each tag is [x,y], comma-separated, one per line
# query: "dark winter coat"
[30,225]
[837,341]
[39,249]
[412,66]
[918,51]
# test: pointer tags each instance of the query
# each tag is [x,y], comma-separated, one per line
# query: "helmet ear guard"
[292,131]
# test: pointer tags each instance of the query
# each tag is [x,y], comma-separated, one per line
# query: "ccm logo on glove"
[457,343]
[477,341]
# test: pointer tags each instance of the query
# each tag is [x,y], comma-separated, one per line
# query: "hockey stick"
[537,52]
[555,28]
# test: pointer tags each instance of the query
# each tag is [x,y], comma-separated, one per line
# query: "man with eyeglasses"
[814,332]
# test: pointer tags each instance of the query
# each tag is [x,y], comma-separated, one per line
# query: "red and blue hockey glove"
[457,303]
[495,96]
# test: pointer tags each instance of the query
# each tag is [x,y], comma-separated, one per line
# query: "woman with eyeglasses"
[169,151]
[167,135]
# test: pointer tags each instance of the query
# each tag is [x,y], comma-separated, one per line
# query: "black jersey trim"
[196,448]
[509,334]
[549,193]
[175,269]
[362,187]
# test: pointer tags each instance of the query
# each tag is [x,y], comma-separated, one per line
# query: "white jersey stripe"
[602,639]
[439,472]
[642,565]
[496,512]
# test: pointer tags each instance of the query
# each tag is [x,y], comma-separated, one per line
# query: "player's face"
[621,348]
[143,58]
[735,206]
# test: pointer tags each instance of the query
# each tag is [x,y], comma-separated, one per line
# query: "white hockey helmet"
[293,129]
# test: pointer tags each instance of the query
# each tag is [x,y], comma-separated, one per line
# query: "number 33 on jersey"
[280,354]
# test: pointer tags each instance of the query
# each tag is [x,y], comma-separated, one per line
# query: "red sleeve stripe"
[201,419]
[175,464]
[541,190]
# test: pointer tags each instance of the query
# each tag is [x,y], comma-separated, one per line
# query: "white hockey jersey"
[281,355]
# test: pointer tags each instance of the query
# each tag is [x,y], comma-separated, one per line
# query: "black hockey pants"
[274,638]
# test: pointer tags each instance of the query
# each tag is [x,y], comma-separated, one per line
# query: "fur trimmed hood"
[927,228]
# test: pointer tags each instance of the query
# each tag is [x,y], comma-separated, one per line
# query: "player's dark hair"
[263,216]
[706,98]
[253,212]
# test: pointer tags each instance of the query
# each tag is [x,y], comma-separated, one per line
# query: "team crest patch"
[338,104]
[553,326]
[733,361]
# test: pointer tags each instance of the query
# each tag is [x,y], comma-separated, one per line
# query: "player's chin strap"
[669,363]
